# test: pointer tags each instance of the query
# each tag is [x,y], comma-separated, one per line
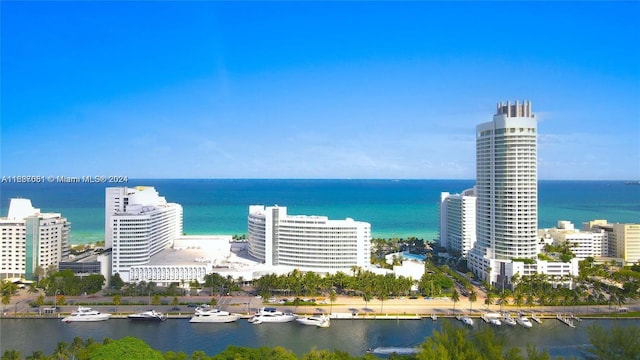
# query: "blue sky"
[313,89]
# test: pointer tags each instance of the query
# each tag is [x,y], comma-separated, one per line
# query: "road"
[248,304]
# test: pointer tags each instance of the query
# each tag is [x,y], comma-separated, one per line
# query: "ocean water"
[394,208]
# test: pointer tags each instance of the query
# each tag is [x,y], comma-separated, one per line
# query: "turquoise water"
[394,208]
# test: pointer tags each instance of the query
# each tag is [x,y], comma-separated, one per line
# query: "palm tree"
[36,355]
[116,301]
[11,355]
[489,299]
[38,272]
[455,296]
[503,297]
[32,289]
[76,346]
[366,296]
[518,299]
[332,299]
[472,298]
[61,352]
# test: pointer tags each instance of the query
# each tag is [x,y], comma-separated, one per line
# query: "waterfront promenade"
[344,307]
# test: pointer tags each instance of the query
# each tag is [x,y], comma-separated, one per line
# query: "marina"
[352,336]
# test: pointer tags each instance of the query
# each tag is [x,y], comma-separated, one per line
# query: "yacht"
[150,315]
[86,314]
[211,315]
[271,315]
[507,319]
[467,320]
[318,320]
[524,321]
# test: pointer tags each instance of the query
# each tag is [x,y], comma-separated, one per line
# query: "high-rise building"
[312,243]
[458,221]
[507,191]
[31,239]
[138,224]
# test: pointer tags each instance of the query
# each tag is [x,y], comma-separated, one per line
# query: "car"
[175,308]
[192,305]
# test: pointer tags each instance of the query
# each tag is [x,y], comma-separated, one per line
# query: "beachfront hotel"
[507,198]
[583,244]
[623,239]
[308,243]
[139,223]
[458,221]
[31,239]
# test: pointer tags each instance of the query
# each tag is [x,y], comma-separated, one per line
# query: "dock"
[566,320]
[536,318]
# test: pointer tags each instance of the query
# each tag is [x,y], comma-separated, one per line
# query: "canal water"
[352,336]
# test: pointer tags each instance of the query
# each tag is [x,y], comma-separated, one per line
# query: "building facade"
[583,244]
[138,224]
[507,240]
[458,221]
[623,239]
[31,239]
[507,191]
[312,243]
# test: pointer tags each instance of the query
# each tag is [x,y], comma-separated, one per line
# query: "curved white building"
[312,243]
[138,224]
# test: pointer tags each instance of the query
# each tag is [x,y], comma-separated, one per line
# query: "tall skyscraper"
[507,191]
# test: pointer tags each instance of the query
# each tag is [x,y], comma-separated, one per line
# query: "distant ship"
[632,182]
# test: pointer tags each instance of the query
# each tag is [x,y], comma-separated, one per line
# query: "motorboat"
[394,350]
[524,321]
[271,315]
[318,320]
[212,315]
[150,315]
[507,319]
[467,320]
[86,314]
[492,318]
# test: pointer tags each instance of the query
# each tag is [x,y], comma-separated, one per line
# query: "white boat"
[467,320]
[318,320]
[86,314]
[524,321]
[150,315]
[507,319]
[495,321]
[213,316]
[271,315]
[394,350]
